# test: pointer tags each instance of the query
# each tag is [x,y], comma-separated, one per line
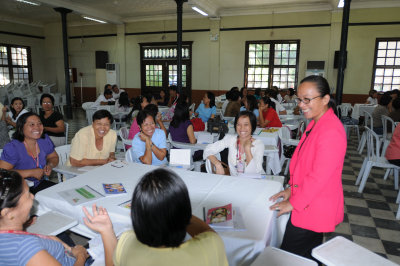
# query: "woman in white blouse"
[245,152]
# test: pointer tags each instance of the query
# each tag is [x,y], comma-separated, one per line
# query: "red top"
[393,150]
[272,117]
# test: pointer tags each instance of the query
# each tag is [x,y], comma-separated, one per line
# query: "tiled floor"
[369,217]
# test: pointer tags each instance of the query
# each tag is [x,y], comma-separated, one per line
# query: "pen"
[204,214]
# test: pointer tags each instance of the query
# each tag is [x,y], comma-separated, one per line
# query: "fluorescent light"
[199,11]
[341,3]
[93,19]
[28,2]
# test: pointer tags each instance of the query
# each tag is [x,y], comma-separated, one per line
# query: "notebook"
[52,223]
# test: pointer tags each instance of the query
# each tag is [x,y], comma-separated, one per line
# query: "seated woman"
[122,104]
[269,117]
[372,97]
[233,107]
[139,104]
[163,98]
[290,97]
[16,110]
[24,248]
[393,150]
[245,152]
[94,144]
[161,216]
[381,109]
[207,109]
[30,153]
[251,105]
[105,99]
[150,145]
[52,121]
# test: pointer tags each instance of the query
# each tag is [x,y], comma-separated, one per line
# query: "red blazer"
[316,175]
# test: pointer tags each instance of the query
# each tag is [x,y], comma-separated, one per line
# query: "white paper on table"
[205,138]
[52,223]
[180,157]
[254,176]
[87,168]
[76,196]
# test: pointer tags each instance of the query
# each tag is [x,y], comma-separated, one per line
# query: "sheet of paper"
[180,157]
[77,196]
[52,223]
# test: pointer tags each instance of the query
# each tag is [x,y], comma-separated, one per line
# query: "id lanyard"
[240,164]
[17,232]
[36,160]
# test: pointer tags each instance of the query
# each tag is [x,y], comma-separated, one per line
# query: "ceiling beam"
[84,10]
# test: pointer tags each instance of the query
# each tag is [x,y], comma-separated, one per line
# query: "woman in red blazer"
[315,195]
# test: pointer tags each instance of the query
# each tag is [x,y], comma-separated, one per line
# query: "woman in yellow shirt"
[94,144]
[161,215]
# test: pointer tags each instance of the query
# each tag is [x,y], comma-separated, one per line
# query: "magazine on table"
[225,218]
[77,196]
[114,188]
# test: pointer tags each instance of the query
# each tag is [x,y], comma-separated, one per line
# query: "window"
[159,66]
[386,73]
[271,63]
[15,64]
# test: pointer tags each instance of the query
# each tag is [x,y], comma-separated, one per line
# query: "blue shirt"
[139,147]
[19,249]
[205,113]
[255,111]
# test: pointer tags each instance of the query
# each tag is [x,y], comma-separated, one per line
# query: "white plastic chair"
[66,125]
[87,106]
[123,132]
[345,110]
[397,201]
[63,155]
[31,104]
[192,147]
[128,156]
[210,168]
[374,159]
[287,140]
[386,137]
[368,122]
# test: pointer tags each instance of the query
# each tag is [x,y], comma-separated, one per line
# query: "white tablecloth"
[359,109]
[206,190]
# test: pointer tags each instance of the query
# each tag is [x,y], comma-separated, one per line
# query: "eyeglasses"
[306,100]
[47,103]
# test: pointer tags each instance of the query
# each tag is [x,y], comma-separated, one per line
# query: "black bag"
[216,125]
[288,150]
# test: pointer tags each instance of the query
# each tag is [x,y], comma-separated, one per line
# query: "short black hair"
[396,103]
[161,209]
[106,86]
[173,88]
[211,96]
[252,117]
[100,114]
[181,114]
[251,103]
[152,108]
[47,95]
[19,128]
[372,92]
[107,92]
[142,115]
[257,92]
[385,99]
[268,101]
[235,95]
[124,99]
[12,109]
[11,188]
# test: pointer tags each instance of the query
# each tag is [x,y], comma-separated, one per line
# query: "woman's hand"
[37,173]
[144,137]
[47,170]
[79,252]
[219,169]
[284,194]
[99,221]
[283,207]
[248,144]
[159,118]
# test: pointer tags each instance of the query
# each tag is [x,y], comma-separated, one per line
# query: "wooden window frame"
[10,66]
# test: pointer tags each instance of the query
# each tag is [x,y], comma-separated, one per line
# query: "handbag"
[216,125]
[198,124]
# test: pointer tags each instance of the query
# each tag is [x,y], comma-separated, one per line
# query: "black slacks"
[300,241]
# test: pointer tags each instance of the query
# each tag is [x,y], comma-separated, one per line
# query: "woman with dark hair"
[207,109]
[251,105]
[163,98]
[181,129]
[245,153]
[257,94]
[52,121]
[150,145]
[372,97]
[20,247]
[161,216]
[243,93]
[233,107]
[16,110]
[30,153]
[290,97]
[268,117]
[382,109]
[122,104]
[116,92]
[315,193]
[173,96]
[105,99]
[94,144]
[139,104]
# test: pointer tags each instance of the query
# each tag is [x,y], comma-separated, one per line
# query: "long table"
[250,196]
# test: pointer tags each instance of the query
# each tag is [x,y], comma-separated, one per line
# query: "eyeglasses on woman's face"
[306,100]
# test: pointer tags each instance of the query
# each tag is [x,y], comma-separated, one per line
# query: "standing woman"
[16,110]
[53,123]
[207,109]
[315,195]
[30,153]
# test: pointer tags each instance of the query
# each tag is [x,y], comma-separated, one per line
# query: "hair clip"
[5,193]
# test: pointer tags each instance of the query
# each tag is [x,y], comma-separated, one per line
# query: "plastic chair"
[374,159]
[63,155]
[209,166]
[66,125]
[87,106]
[368,122]
[31,104]
[345,110]
[128,156]
[123,132]
[397,201]
[287,140]
[386,137]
